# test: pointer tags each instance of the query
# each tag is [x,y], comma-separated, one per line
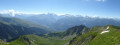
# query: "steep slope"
[3,42]
[99,35]
[9,31]
[73,31]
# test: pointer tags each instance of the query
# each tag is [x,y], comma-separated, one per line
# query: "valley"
[11,34]
[15,31]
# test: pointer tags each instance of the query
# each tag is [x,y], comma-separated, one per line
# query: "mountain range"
[63,22]
[98,35]
[52,29]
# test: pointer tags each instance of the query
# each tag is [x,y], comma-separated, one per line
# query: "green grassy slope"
[95,38]
[37,40]
[9,31]
[85,36]
[109,38]
[57,38]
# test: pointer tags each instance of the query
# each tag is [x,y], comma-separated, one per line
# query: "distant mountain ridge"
[63,22]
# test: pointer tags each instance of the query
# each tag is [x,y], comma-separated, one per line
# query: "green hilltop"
[94,36]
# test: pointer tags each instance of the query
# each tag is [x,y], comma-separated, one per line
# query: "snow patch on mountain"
[105,30]
[107,27]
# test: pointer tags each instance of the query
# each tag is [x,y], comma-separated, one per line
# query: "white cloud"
[11,12]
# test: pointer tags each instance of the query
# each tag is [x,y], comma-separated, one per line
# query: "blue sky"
[107,8]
